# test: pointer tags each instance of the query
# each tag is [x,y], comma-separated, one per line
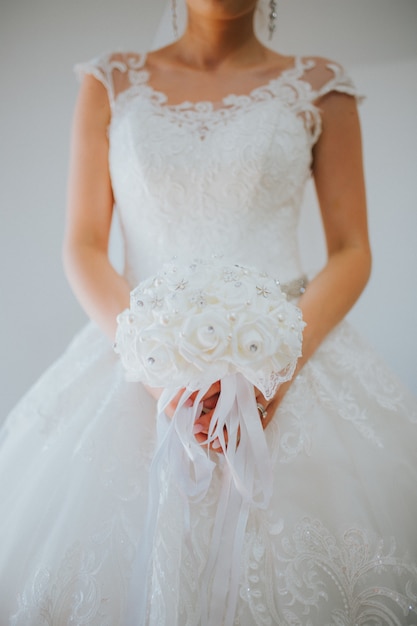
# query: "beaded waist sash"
[296,287]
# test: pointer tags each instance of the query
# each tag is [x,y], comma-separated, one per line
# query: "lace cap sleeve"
[338,80]
[115,71]
[101,68]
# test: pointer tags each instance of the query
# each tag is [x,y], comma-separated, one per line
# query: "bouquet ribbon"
[246,484]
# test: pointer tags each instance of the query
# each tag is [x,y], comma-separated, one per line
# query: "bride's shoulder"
[108,62]
[321,68]
[326,75]
[316,70]
[115,70]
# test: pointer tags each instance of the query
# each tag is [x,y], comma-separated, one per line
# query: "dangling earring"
[272,17]
[174,17]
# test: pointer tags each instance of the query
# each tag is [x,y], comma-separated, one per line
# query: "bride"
[205,147]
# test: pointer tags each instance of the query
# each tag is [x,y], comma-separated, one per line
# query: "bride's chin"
[222,7]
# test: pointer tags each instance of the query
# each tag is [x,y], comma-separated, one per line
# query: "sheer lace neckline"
[261,92]
[128,79]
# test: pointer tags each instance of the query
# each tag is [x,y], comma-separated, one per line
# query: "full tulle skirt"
[337,544]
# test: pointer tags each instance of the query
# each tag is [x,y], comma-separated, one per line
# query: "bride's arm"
[339,181]
[102,292]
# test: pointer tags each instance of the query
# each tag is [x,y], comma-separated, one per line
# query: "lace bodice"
[193,179]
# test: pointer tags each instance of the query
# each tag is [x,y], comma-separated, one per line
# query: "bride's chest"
[240,133]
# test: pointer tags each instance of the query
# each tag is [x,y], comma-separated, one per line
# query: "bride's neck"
[208,44]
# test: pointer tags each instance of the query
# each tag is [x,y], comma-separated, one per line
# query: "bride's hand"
[156,393]
[209,402]
[202,423]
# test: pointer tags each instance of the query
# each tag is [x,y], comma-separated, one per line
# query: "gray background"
[39,43]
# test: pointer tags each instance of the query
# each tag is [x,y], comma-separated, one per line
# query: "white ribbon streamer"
[246,484]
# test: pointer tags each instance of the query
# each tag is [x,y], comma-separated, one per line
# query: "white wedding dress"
[338,543]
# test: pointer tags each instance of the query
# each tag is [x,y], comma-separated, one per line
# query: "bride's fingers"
[214,445]
[171,407]
[214,390]
[202,423]
[209,399]
[201,432]
[202,428]
[211,396]
[266,408]
[210,403]
[271,405]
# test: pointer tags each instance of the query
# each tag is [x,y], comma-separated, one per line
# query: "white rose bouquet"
[192,325]
[188,327]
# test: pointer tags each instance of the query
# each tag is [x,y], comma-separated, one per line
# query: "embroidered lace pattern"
[339,580]
[308,577]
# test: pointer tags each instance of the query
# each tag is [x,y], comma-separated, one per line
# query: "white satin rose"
[205,338]
[158,358]
[254,342]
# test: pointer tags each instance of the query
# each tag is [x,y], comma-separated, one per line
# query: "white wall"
[39,42]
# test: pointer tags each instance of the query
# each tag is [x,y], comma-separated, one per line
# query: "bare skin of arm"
[102,292]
